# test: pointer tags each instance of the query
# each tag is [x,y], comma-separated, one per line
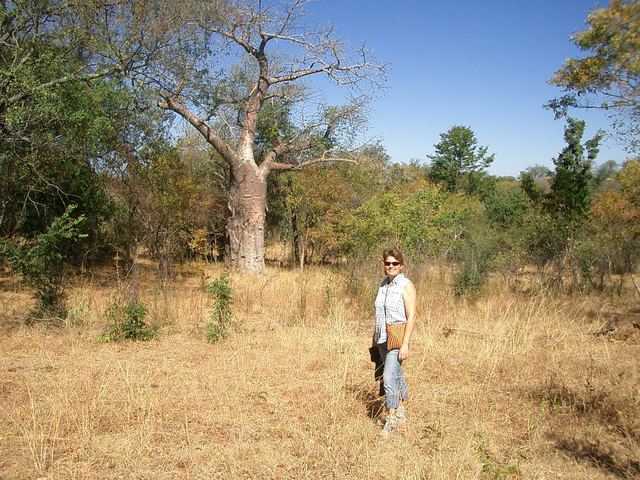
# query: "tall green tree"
[571,186]
[41,51]
[69,130]
[51,163]
[608,77]
[63,118]
[459,163]
[559,216]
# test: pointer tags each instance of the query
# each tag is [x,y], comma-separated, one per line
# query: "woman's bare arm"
[409,297]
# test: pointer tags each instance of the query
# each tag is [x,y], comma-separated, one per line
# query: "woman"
[395,304]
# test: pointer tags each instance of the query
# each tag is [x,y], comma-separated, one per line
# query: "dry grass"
[505,387]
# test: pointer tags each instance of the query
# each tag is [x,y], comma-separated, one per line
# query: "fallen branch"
[446,331]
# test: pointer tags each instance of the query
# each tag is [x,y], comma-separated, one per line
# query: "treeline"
[575,225]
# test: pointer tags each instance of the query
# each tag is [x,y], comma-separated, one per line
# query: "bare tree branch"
[306,163]
[207,132]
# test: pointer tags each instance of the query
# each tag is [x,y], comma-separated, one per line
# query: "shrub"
[469,279]
[421,219]
[221,316]
[128,323]
[475,252]
[40,261]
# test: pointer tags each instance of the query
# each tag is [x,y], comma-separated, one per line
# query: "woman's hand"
[403,354]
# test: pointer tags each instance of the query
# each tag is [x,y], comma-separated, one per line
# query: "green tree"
[64,119]
[571,187]
[506,205]
[609,76]
[553,230]
[56,164]
[41,51]
[309,211]
[421,218]
[459,163]
[509,211]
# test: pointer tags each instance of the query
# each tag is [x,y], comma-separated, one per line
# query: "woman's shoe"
[390,424]
[401,414]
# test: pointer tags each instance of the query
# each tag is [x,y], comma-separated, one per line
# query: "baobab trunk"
[245,225]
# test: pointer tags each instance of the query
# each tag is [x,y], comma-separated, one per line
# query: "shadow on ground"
[595,423]
[370,397]
[602,453]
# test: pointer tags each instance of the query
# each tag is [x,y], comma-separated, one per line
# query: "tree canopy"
[89,92]
[458,161]
[608,77]
[571,183]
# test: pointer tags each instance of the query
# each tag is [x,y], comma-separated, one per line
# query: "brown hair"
[393,252]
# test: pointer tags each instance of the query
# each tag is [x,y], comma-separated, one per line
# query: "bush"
[468,280]
[127,323]
[421,219]
[40,261]
[474,253]
[221,320]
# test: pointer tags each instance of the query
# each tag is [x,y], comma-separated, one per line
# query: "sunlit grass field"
[505,386]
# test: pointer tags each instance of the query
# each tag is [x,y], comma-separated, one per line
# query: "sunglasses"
[391,264]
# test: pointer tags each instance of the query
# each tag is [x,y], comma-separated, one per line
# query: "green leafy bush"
[469,279]
[128,323]
[475,253]
[40,261]
[221,319]
[424,221]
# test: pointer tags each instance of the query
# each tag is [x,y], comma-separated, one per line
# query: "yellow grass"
[504,387]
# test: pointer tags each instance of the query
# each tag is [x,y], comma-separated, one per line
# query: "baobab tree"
[277,50]
[217,65]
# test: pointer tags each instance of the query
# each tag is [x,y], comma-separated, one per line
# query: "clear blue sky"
[483,64]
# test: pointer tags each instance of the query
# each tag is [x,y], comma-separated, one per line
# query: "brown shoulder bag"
[395,334]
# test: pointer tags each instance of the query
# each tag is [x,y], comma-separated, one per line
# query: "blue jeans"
[395,386]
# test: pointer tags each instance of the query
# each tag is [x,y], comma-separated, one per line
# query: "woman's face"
[392,267]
